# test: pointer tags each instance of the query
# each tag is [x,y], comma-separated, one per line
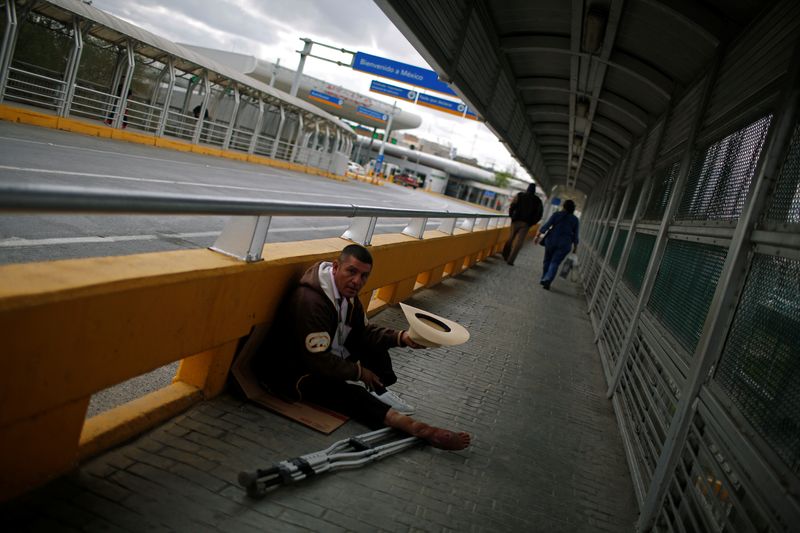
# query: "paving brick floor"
[546,453]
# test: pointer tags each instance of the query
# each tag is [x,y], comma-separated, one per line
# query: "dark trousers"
[553,256]
[519,230]
[352,400]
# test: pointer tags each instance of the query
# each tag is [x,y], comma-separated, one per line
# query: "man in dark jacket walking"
[525,211]
[323,349]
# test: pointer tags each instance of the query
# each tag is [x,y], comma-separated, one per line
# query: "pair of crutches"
[347,453]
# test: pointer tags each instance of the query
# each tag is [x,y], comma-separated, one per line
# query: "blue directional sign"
[395,70]
[371,113]
[378,164]
[392,90]
[440,104]
[325,99]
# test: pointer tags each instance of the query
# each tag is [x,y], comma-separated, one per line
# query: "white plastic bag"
[569,264]
[574,258]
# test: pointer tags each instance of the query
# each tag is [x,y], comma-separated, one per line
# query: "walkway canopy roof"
[115,30]
[571,86]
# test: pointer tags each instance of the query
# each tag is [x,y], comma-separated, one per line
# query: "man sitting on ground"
[323,349]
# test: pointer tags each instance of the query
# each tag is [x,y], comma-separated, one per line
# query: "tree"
[501,179]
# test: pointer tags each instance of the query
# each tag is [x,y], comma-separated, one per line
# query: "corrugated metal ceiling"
[589,78]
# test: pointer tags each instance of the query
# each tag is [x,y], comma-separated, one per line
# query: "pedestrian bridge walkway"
[529,386]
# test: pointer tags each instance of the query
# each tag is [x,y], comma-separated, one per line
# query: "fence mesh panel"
[684,286]
[785,205]
[639,256]
[607,231]
[619,244]
[631,207]
[707,491]
[719,178]
[649,396]
[760,365]
[664,181]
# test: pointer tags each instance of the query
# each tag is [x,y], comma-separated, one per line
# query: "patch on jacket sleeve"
[319,341]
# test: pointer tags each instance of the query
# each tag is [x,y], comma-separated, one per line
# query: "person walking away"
[560,236]
[525,211]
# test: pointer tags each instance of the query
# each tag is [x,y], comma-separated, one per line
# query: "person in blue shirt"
[560,237]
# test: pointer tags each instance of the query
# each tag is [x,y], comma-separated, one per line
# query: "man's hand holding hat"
[406,340]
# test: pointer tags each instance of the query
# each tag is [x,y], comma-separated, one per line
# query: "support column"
[198,127]
[228,134]
[273,153]
[297,137]
[9,44]
[125,86]
[71,74]
[187,98]
[162,120]
[257,128]
[299,73]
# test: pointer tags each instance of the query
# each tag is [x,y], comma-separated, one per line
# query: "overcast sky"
[271,30]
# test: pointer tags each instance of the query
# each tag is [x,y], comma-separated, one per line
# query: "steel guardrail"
[69,199]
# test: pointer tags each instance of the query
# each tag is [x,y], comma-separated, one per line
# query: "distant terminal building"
[437,165]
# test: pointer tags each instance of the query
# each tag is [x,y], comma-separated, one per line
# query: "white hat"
[432,330]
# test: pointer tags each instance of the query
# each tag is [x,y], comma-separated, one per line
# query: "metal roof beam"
[620,61]
[706,23]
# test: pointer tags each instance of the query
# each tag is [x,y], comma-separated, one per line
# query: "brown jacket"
[304,327]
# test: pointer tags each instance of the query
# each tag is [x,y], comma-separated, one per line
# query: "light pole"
[303,54]
[379,160]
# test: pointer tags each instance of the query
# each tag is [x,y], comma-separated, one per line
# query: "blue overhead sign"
[440,104]
[470,115]
[395,70]
[325,98]
[392,90]
[371,113]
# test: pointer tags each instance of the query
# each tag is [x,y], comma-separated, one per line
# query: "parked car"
[355,168]
[406,180]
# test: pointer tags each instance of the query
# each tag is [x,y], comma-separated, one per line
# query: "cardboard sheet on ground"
[310,415]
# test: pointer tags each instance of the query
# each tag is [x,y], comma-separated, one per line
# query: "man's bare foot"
[448,440]
[439,438]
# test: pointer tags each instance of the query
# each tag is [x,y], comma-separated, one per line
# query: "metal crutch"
[346,453]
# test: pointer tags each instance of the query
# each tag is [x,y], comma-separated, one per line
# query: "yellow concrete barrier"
[72,328]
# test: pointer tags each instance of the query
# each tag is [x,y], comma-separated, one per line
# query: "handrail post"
[243,238]
[415,228]
[468,224]
[448,225]
[361,230]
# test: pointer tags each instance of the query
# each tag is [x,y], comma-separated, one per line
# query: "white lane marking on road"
[17,242]
[172,182]
[274,172]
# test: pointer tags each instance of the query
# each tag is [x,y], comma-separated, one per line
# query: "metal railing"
[244,235]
